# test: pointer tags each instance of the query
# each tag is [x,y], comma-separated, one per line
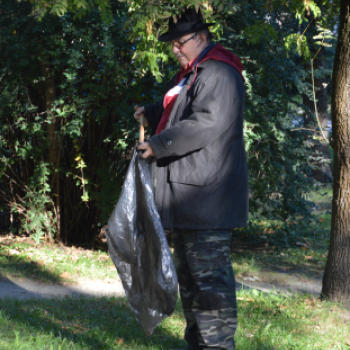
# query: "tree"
[78,7]
[336,280]
[63,148]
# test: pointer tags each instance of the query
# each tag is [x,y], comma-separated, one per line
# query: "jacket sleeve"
[217,104]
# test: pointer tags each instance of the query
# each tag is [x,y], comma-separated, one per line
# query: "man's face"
[188,47]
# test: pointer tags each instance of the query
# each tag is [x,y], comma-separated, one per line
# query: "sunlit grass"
[266,321]
[53,263]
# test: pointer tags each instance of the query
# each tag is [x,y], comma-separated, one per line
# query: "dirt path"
[27,289]
[284,282]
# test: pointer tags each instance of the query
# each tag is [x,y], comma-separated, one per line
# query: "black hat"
[188,22]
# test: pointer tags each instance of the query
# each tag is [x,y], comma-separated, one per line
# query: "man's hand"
[137,116]
[148,151]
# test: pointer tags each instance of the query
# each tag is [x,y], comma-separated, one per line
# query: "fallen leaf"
[245,299]
[77,326]
[309,257]
[65,274]
[74,258]
[75,332]
[119,341]
[103,257]
[28,258]
[13,252]
[249,335]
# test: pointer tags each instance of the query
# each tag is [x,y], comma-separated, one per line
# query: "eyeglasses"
[180,44]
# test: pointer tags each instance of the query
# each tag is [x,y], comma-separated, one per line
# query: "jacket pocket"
[188,175]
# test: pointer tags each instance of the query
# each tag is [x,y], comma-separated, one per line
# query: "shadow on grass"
[303,253]
[267,262]
[85,323]
[20,266]
[108,323]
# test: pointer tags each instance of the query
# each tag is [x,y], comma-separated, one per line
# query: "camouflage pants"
[207,287]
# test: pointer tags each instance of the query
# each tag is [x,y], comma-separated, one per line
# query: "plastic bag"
[139,249]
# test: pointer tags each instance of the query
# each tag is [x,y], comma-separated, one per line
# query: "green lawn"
[52,263]
[266,321]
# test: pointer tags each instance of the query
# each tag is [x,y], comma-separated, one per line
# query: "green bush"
[68,86]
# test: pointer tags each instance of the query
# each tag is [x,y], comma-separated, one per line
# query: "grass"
[264,246]
[266,321]
[323,195]
[52,263]
[274,246]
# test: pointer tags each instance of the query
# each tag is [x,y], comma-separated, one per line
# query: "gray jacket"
[201,176]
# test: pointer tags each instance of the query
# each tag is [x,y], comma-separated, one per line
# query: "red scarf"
[218,53]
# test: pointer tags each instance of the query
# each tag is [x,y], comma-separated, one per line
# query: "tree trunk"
[336,279]
[53,156]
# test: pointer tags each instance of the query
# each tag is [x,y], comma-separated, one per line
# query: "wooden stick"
[142,129]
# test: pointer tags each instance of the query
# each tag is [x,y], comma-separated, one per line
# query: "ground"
[58,297]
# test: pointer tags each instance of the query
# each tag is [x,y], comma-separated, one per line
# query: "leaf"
[13,252]
[309,257]
[119,341]
[65,274]
[255,293]
[103,257]
[323,44]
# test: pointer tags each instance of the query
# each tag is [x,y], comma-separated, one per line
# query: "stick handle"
[142,129]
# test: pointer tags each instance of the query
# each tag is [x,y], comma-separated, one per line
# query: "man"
[200,177]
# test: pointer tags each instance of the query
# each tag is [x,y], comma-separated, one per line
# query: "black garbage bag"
[139,249]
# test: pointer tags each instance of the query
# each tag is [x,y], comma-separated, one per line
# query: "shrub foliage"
[68,86]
